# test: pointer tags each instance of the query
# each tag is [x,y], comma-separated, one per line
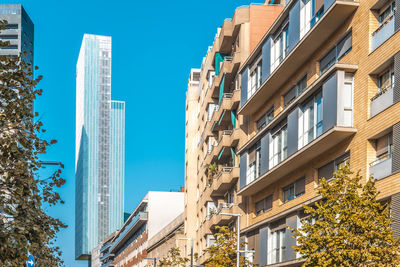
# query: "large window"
[254,161]
[254,77]
[310,120]
[278,147]
[305,16]
[263,205]
[293,190]
[278,249]
[278,48]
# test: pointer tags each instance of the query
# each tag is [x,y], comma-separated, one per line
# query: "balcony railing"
[381,167]
[382,100]
[384,31]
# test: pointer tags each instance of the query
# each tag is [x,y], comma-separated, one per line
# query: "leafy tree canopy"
[349,227]
[24,224]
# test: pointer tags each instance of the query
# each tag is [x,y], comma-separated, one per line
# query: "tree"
[24,224]
[349,227]
[224,252]
[174,258]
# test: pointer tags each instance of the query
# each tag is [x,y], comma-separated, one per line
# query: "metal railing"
[382,91]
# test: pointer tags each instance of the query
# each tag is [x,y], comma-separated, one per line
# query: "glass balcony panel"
[381,100]
[383,32]
[381,168]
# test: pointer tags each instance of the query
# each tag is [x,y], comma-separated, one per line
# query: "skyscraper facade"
[19,32]
[100,133]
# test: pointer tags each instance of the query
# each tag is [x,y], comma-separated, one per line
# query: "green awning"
[219,58]
[221,90]
[213,127]
[220,153]
[233,117]
[220,119]
[233,156]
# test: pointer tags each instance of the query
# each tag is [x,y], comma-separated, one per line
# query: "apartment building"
[129,246]
[171,236]
[213,130]
[100,255]
[316,93]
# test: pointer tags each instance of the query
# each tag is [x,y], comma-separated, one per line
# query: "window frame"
[278,146]
[314,104]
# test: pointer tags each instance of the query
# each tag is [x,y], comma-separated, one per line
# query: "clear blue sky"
[154,45]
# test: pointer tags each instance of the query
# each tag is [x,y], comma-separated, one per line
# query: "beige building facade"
[171,236]
[320,90]
[213,130]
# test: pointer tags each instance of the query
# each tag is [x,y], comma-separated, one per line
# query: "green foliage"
[212,170]
[174,258]
[348,227]
[24,224]
[223,252]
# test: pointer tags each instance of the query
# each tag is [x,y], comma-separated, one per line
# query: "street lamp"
[238,235]
[154,259]
[191,248]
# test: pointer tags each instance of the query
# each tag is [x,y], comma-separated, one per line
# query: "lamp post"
[238,235]
[154,259]
[191,248]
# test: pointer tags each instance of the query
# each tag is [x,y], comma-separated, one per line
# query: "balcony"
[134,225]
[316,37]
[383,33]
[381,168]
[224,180]
[226,37]
[382,100]
[221,220]
[228,139]
[317,147]
[229,101]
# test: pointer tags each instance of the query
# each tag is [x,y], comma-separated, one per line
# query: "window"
[254,77]
[10,47]
[386,80]
[297,90]
[265,119]
[263,205]
[211,78]
[383,146]
[254,161]
[310,120]
[326,171]
[11,26]
[305,16]
[278,146]
[229,197]
[336,53]
[9,37]
[387,13]
[278,48]
[293,190]
[348,100]
[278,251]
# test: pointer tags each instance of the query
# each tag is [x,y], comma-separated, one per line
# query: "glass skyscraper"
[100,148]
